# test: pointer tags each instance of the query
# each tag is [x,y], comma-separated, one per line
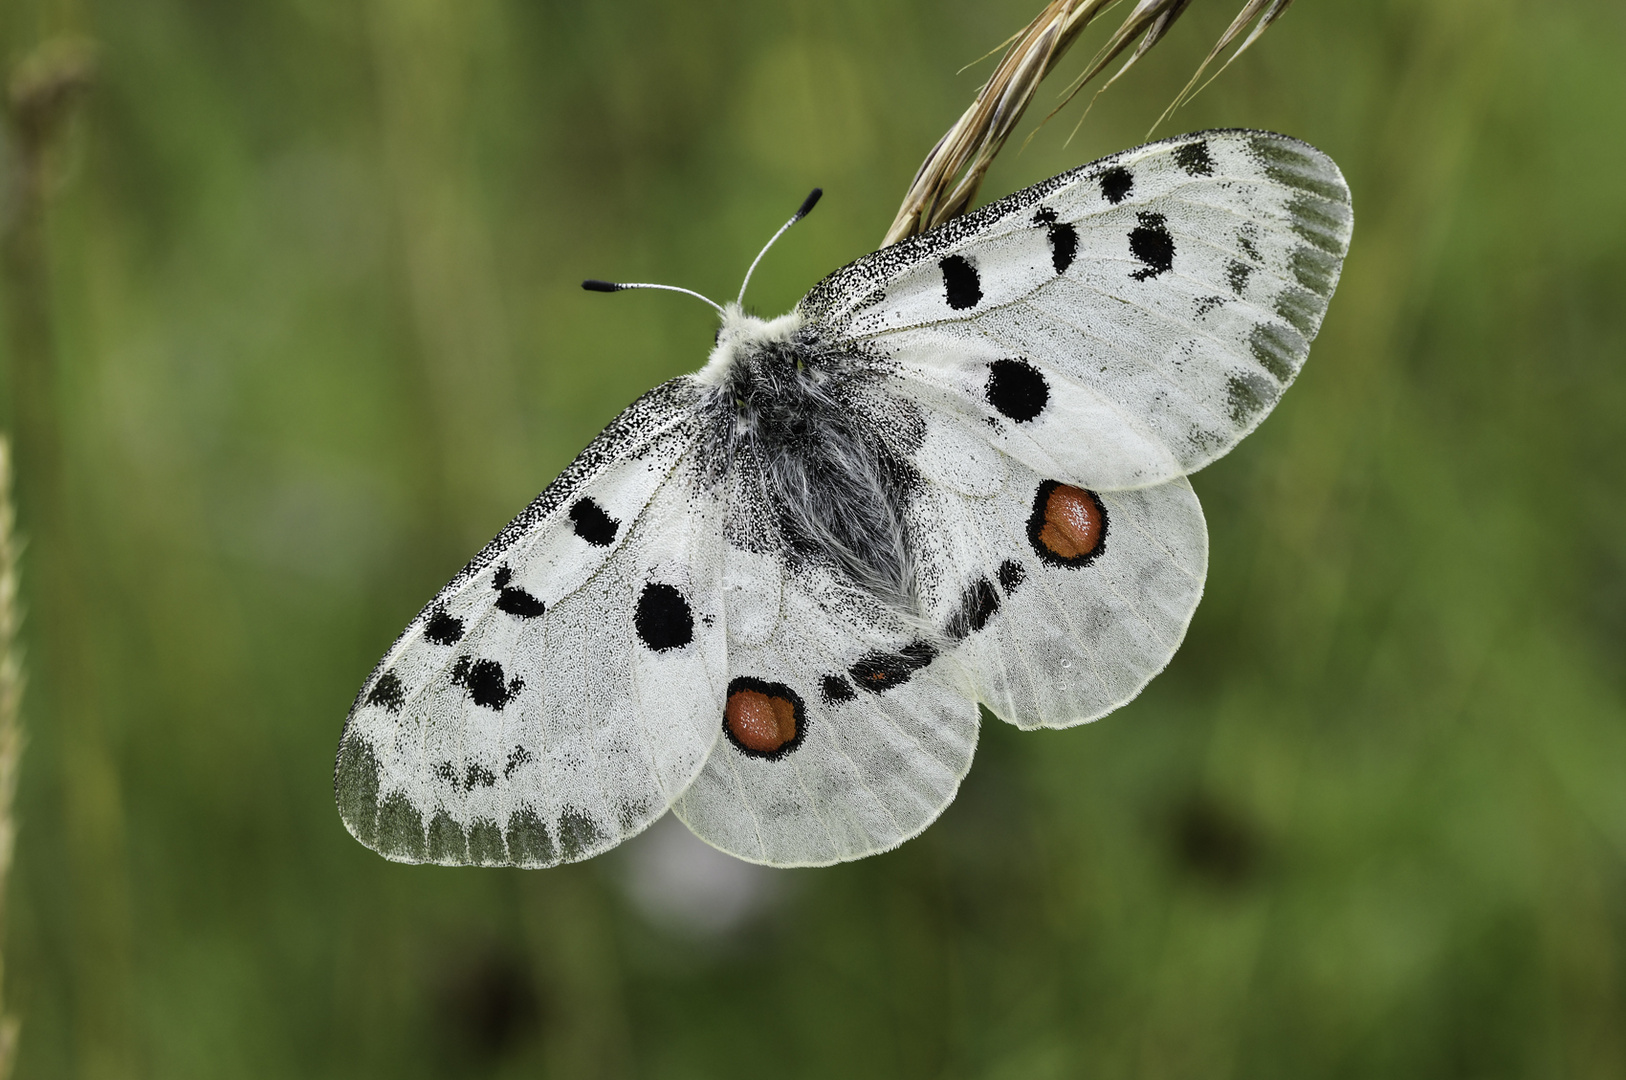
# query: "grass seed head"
[946,184]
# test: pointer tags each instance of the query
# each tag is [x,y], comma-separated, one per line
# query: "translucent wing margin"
[563,688]
[1121,324]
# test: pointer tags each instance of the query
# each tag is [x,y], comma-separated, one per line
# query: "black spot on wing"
[388,692]
[442,628]
[1063,239]
[592,523]
[516,757]
[847,290]
[1193,157]
[521,603]
[444,772]
[478,774]
[1011,574]
[1116,184]
[1017,389]
[513,601]
[1236,275]
[483,679]
[960,282]
[1247,237]
[977,606]
[1151,243]
[836,689]
[882,671]
[663,619]
[656,419]
[1063,247]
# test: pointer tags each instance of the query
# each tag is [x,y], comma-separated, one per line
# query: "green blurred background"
[309,285]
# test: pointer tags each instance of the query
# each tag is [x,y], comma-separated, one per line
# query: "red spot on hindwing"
[1069,524]
[763,719]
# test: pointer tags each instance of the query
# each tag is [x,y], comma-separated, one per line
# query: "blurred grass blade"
[1272,10]
[1153,18]
[946,184]
[11,734]
[42,91]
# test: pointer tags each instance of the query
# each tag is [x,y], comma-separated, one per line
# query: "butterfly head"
[742,335]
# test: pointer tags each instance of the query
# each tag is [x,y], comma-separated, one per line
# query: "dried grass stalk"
[11,733]
[39,94]
[947,182]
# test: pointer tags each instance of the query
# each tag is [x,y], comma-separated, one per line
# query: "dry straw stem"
[39,96]
[11,734]
[948,179]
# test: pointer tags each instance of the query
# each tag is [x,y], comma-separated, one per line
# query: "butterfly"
[773,596]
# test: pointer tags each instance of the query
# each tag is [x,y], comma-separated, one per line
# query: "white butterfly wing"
[565,687]
[1072,352]
[1053,624]
[884,716]
[1121,324]
[880,738]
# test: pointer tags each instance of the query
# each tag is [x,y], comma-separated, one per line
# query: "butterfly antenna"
[806,208]
[595,285]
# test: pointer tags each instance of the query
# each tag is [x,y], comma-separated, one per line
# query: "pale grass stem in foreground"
[947,182]
[40,91]
[11,735]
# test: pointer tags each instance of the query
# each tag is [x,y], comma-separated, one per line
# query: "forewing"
[564,688]
[1121,324]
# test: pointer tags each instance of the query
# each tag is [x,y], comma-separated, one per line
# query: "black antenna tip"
[595,285]
[809,203]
